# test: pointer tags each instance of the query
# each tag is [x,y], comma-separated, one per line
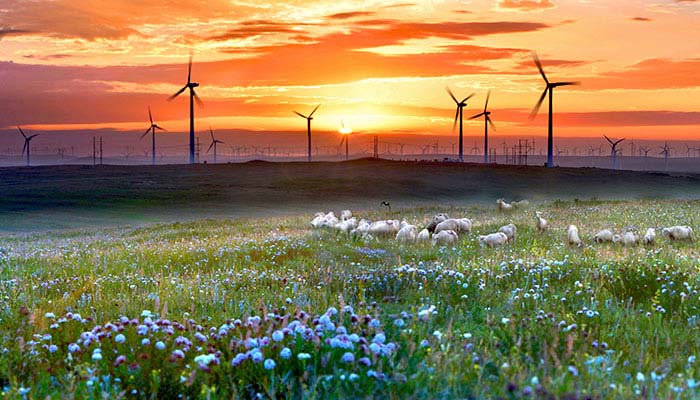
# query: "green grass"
[536,318]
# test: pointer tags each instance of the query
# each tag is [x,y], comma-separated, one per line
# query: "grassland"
[268,308]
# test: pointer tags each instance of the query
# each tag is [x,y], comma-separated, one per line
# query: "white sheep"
[436,220]
[678,232]
[362,227]
[606,235]
[345,215]
[649,236]
[444,238]
[521,204]
[407,234]
[385,228]
[572,236]
[423,236]
[454,224]
[503,206]
[318,219]
[617,238]
[493,239]
[629,238]
[509,230]
[541,222]
[347,225]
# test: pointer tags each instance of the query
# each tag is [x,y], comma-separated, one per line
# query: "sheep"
[603,236]
[629,238]
[503,206]
[444,238]
[521,204]
[678,232]
[572,236]
[318,219]
[347,225]
[362,227]
[423,236]
[649,236]
[509,230]
[493,239]
[324,220]
[407,234]
[541,222]
[345,215]
[454,224]
[436,220]
[617,238]
[384,228]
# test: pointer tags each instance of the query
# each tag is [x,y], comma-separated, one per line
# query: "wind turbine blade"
[210,146]
[454,124]
[477,115]
[608,139]
[533,114]
[220,141]
[301,115]
[22,132]
[197,99]
[539,66]
[620,141]
[451,95]
[150,116]
[490,122]
[189,70]
[468,97]
[178,93]
[26,144]
[486,105]
[158,127]
[211,132]
[312,112]
[147,131]
[29,138]
[574,83]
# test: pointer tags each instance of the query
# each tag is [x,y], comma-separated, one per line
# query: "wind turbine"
[487,120]
[193,97]
[308,125]
[459,114]
[152,130]
[548,90]
[614,150]
[345,131]
[27,139]
[665,151]
[213,144]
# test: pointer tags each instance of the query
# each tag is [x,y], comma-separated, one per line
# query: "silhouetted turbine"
[308,125]
[152,130]
[613,150]
[459,114]
[487,120]
[193,97]
[27,139]
[549,89]
[213,144]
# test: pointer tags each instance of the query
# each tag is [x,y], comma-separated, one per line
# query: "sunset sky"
[382,66]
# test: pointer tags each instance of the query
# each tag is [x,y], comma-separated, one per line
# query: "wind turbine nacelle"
[193,84]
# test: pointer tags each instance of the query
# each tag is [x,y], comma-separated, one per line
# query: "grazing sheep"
[603,236]
[407,234]
[572,236]
[362,227]
[435,221]
[493,239]
[444,238]
[318,219]
[617,238]
[345,215]
[347,225]
[423,236]
[509,231]
[629,238]
[385,228]
[649,236]
[454,224]
[541,222]
[503,206]
[678,232]
[324,220]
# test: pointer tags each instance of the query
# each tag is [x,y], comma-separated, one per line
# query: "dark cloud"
[641,19]
[353,14]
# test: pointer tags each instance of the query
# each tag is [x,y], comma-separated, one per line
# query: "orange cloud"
[525,5]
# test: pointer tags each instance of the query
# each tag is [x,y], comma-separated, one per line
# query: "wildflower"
[120,338]
[96,356]
[348,358]
[399,322]
[364,361]
[146,314]
[177,354]
[238,359]
[269,364]
[640,377]
[50,315]
[353,377]
[119,360]
[53,348]
[286,353]
[424,343]
[256,356]
[379,338]
[73,347]
[304,356]
[277,336]
[160,345]
[573,370]
[145,342]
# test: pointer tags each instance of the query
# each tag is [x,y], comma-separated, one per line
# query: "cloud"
[525,5]
[641,19]
[657,73]
[353,14]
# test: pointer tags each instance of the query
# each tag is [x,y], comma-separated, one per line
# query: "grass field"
[269,308]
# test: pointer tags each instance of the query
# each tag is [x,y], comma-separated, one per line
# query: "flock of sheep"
[443,230]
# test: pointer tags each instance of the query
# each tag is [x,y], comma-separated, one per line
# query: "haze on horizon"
[381,66]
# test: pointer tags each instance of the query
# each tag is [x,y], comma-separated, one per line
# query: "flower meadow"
[269,308]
